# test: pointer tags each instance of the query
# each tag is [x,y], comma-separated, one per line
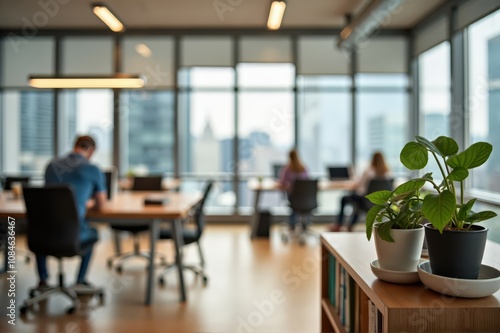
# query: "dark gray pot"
[456,254]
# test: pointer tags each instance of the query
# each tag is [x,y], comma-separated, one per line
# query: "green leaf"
[439,208]
[458,174]
[428,144]
[409,186]
[446,146]
[464,210]
[481,216]
[414,156]
[370,219]
[379,197]
[427,176]
[472,157]
[384,231]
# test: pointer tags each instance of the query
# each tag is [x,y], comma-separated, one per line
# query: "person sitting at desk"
[88,183]
[295,169]
[377,168]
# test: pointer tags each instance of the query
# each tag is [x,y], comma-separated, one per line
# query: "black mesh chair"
[139,184]
[54,230]
[191,236]
[303,200]
[376,184]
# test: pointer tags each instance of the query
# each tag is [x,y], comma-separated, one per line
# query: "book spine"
[332,278]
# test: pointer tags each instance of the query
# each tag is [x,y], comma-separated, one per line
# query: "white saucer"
[394,276]
[486,284]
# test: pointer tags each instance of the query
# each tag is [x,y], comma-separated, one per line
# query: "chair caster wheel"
[284,238]
[71,310]
[32,293]
[23,310]
[161,281]
[119,269]
[101,297]
[110,263]
[205,281]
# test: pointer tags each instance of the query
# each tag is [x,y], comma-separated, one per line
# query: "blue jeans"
[41,260]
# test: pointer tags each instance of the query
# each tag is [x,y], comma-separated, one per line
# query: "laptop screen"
[338,173]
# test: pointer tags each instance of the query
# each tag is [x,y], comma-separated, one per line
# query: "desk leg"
[118,248]
[153,236]
[179,242]
[255,219]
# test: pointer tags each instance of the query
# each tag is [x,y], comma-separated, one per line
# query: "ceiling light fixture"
[366,23]
[125,81]
[276,14]
[107,17]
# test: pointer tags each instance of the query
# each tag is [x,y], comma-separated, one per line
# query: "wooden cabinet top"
[355,253]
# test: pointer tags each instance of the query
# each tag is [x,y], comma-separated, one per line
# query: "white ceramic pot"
[404,253]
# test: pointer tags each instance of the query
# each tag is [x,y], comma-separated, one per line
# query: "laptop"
[276,170]
[149,183]
[339,173]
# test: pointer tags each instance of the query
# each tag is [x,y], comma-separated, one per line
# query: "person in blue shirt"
[90,193]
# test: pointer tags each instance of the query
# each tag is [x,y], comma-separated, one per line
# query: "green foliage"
[446,208]
[398,209]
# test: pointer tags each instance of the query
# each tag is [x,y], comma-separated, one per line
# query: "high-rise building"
[492,180]
[150,131]
[385,133]
[37,120]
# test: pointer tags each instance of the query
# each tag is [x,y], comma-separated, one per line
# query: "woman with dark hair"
[295,169]
[377,169]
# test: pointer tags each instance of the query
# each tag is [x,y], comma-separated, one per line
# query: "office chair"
[303,200]
[53,230]
[375,184]
[139,184]
[191,236]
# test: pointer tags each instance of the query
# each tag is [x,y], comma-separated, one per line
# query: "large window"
[484,96]
[434,91]
[88,112]
[206,104]
[27,132]
[265,121]
[148,132]
[382,118]
[324,114]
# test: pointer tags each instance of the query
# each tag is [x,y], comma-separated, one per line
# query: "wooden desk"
[130,206]
[273,185]
[403,307]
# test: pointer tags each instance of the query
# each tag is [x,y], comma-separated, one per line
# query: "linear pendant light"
[110,19]
[276,14]
[125,81]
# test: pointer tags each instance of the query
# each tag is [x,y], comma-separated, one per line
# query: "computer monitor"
[9,180]
[149,183]
[339,172]
[277,169]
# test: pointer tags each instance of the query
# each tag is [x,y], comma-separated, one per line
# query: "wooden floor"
[254,286]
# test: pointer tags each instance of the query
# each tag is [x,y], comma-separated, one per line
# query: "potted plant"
[455,243]
[396,219]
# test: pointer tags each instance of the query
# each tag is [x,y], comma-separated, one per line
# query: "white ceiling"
[137,14]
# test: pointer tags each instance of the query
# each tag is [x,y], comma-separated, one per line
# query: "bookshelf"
[354,300]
